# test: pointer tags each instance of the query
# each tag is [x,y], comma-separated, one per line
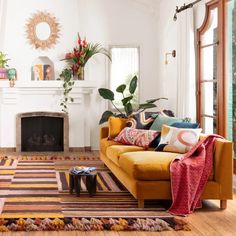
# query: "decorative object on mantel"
[42,30]
[66,76]
[12,76]
[128,108]
[183,8]
[83,51]
[3,65]
[42,69]
[173,54]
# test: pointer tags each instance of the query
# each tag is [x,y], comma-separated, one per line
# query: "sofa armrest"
[104,131]
[223,167]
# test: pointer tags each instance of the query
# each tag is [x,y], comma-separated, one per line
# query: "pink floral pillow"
[138,137]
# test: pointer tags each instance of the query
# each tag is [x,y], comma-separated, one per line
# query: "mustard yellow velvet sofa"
[146,175]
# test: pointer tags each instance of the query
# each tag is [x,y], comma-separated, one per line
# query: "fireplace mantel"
[45,96]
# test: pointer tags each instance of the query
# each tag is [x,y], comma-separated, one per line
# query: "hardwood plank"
[67,233]
[111,233]
[36,233]
[127,233]
[20,233]
[80,233]
[50,233]
[97,233]
[7,234]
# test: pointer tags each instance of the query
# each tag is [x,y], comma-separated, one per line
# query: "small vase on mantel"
[80,73]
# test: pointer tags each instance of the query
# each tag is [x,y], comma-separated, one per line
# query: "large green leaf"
[128,109]
[126,100]
[154,100]
[121,88]
[146,106]
[105,116]
[106,94]
[133,84]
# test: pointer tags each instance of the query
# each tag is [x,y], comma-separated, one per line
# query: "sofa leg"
[223,204]
[140,203]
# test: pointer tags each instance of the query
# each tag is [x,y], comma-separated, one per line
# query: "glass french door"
[210,92]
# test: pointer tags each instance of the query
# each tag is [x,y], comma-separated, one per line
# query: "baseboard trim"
[8,149]
[71,149]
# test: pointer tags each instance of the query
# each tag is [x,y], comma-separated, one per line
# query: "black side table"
[90,182]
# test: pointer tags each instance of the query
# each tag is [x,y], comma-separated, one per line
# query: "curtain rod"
[184,7]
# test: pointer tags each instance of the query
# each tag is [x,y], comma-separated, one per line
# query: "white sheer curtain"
[186,95]
[3,4]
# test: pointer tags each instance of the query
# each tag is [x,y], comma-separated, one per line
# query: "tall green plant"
[126,101]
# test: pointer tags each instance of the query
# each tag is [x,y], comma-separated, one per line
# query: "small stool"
[90,182]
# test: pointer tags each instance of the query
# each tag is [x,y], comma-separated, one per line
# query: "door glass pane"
[209,125]
[209,63]
[209,98]
[210,36]
[231,71]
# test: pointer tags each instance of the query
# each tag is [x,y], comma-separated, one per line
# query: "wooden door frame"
[221,71]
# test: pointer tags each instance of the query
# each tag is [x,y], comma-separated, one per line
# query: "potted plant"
[128,107]
[67,77]
[3,65]
[80,55]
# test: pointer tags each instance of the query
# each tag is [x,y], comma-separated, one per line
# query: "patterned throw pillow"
[141,120]
[177,139]
[138,137]
[144,120]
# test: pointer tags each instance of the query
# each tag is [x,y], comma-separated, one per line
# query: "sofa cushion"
[147,165]
[113,152]
[105,143]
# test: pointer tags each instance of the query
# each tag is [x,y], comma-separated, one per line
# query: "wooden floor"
[208,221]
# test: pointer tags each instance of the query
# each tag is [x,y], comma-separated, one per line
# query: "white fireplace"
[37,96]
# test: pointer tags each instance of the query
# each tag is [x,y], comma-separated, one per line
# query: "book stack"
[81,170]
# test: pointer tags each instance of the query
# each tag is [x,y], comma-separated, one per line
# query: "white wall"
[167,41]
[109,22]
[168,32]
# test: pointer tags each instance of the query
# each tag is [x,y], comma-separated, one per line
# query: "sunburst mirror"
[42,30]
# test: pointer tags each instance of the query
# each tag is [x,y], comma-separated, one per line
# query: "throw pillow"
[138,137]
[177,139]
[186,125]
[115,124]
[161,120]
[141,120]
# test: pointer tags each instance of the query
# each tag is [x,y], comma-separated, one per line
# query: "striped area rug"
[33,191]
[39,188]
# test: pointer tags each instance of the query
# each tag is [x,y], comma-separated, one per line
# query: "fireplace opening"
[42,132]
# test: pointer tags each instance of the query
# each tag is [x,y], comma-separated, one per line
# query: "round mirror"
[43,31]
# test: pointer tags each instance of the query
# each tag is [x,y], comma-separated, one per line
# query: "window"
[124,66]
[211,70]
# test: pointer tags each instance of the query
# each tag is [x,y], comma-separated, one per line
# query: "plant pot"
[80,73]
[3,73]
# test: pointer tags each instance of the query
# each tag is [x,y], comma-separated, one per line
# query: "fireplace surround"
[42,132]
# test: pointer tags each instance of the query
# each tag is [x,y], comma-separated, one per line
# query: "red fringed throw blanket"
[189,175]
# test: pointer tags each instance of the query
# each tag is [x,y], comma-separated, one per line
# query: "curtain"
[3,4]
[186,84]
